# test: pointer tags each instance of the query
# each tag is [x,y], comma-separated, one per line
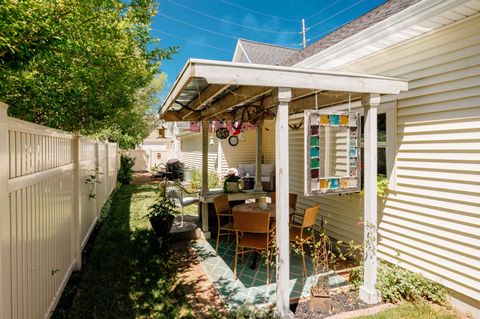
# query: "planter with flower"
[231,181]
[161,216]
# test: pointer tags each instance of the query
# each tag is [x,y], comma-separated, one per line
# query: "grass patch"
[126,275]
[414,311]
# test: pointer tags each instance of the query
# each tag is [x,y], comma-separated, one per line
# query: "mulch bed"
[341,302]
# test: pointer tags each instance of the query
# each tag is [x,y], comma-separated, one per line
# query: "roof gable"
[264,53]
[372,17]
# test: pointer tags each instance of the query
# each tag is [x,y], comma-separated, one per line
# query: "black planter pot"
[162,225]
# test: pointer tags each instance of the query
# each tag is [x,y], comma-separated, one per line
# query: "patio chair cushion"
[244,169]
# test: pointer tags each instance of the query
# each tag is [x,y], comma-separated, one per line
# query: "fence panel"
[50,201]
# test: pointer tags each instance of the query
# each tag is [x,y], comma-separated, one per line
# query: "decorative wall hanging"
[233,140]
[332,152]
[222,133]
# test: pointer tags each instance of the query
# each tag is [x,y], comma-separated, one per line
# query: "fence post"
[5,249]
[97,177]
[107,182]
[77,192]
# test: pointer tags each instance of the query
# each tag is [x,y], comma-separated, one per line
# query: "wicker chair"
[223,211]
[292,199]
[179,195]
[299,233]
[253,233]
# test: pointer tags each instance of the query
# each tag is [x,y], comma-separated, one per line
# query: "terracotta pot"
[320,301]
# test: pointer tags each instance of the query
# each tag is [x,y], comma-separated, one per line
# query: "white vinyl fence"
[53,185]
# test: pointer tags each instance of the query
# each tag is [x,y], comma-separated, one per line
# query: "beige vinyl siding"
[430,222]
[231,156]
[191,155]
[244,152]
[268,142]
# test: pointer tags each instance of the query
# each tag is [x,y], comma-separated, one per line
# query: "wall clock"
[233,140]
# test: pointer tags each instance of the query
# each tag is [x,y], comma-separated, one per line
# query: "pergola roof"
[218,90]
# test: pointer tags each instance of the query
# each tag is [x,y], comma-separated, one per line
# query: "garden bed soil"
[341,302]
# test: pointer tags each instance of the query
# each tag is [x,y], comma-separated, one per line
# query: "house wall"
[230,156]
[430,220]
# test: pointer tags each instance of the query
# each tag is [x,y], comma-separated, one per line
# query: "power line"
[332,29]
[260,13]
[230,22]
[316,13]
[188,40]
[336,14]
[197,27]
[209,30]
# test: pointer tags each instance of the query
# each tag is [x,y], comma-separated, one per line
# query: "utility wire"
[188,40]
[230,22]
[195,26]
[209,30]
[331,30]
[336,14]
[261,13]
[318,12]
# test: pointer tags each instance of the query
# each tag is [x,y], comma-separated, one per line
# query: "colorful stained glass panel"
[314,151]
[324,119]
[314,141]
[314,173]
[334,119]
[323,183]
[344,120]
[314,129]
[314,163]
[334,183]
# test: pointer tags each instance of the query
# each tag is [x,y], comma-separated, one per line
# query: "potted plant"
[161,216]
[230,184]
[320,299]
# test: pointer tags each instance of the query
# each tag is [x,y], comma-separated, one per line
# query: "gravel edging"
[362,312]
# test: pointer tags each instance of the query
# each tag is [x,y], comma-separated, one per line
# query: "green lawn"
[414,311]
[126,276]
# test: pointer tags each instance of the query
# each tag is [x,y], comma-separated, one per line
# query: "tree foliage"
[82,65]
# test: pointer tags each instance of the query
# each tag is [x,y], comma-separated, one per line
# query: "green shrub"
[196,179]
[397,284]
[125,173]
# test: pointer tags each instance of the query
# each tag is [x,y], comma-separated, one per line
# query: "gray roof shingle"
[372,17]
[264,53]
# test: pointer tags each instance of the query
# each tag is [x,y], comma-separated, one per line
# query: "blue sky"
[209,29]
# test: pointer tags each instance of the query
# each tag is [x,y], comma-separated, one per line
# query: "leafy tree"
[82,65]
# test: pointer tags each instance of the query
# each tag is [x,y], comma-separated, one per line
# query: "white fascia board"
[239,51]
[234,73]
[219,72]
[411,16]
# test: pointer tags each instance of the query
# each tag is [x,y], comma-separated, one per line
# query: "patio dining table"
[255,208]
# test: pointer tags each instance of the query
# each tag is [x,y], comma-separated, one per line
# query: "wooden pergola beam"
[205,97]
[243,95]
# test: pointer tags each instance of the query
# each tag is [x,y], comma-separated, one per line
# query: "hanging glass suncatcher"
[332,152]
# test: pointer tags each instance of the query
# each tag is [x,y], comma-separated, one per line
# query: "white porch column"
[258,156]
[368,293]
[282,210]
[205,177]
